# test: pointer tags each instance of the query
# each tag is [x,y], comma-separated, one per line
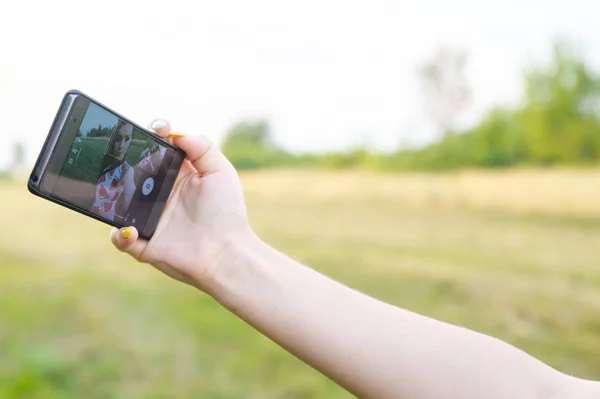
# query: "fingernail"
[176,134]
[159,124]
[126,232]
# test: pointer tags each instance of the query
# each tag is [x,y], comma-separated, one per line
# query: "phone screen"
[112,168]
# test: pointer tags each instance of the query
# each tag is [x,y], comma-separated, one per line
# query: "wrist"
[233,261]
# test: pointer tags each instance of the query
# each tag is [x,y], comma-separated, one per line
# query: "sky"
[328,75]
[94,117]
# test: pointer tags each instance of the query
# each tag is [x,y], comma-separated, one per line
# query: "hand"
[204,216]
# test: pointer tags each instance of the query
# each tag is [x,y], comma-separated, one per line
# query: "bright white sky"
[328,74]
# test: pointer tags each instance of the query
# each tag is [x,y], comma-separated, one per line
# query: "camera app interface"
[113,169]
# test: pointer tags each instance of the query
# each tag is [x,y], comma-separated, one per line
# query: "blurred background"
[442,156]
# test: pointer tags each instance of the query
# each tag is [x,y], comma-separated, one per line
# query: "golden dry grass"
[553,192]
[515,254]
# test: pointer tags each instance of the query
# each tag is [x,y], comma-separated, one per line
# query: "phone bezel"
[56,140]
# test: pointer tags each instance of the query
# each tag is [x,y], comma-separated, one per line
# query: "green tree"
[100,131]
[557,122]
[560,116]
[250,145]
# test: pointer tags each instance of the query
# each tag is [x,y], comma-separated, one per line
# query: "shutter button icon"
[148,186]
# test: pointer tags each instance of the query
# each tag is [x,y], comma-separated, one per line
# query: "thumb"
[202,153]
[127,240]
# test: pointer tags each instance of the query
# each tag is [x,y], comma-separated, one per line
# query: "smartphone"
[102,165]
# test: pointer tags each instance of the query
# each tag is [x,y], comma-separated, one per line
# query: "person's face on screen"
[122,140]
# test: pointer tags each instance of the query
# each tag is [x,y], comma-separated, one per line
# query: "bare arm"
[373,349]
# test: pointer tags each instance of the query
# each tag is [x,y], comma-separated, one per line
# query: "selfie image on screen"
[152,156]
[115,184]
[113,169]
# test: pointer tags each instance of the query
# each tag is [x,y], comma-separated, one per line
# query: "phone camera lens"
[34,179]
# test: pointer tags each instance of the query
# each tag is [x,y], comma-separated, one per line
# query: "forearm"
[371,348]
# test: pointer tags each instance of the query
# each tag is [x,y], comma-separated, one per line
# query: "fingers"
[161,127]
[202,153]
[127,240]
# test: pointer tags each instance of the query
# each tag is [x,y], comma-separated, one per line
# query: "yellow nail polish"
[176,134]
[126,232]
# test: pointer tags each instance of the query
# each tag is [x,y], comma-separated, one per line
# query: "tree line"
[557,122]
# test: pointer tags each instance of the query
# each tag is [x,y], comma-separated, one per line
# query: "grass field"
[89,162]
[513,254]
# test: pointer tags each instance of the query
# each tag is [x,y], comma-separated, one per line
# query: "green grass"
[88,165]
[78,319]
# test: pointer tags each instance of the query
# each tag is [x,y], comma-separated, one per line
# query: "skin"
[370,348]
[118,150]
[122,141]
[155,159]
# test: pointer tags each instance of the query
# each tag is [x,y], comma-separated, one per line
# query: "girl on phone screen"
[116,178]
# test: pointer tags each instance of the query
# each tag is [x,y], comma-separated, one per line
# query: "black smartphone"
[100,164]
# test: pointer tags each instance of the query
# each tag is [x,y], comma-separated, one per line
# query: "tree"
[100,132]
[18,155]
[254,133]
[445,87]
[560,118]
[556,122]
[250,144]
